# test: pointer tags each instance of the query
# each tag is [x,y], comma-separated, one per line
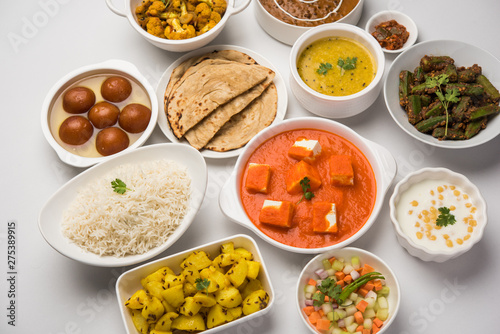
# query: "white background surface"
[58,295]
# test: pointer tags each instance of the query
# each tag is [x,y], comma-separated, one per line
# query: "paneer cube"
[305,149]
[297,173]
[258,176]
[277,213]
[324,217]
[341,172]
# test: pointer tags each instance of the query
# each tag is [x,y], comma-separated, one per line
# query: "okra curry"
[308,188]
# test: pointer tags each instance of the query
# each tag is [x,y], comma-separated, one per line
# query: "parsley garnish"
[328,287]
[202,284]
[445,218]
[450,95]
[304,183]
[347,64]
[323,68]
[119,186]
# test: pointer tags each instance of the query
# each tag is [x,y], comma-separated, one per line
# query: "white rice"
[104,222]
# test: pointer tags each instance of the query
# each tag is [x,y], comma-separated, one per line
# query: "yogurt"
[418,209]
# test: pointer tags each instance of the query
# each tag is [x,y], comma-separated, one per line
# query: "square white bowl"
[130,281]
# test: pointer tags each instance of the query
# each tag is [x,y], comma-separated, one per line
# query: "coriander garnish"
[119,186]
[347,64]
[202,284]
[323,68]
[304,183]
[445,218]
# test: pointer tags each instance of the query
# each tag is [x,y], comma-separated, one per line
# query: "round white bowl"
[177,45]
[336,106]
[114,66]
[402,19]
[288,33]
[51,215]
[464,55]
[383,164]
[394,298]
[130,281]
[444,175]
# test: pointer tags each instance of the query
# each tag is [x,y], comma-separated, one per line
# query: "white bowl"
[464,55]
[130,281]
[394,297]
[51,215]
[336,106]
[381,160]
[288,33]
[113,67]
[177,45]
[444,175]
[402,19]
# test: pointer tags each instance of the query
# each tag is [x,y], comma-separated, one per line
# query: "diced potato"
[155,289]
[253,269]
[172,280]
[190,324]
[244,253]
[174,295]
[153,310]
[189,289]
[226,259]
[251,286]
[157,276]
[155,331]
[236,312]
[227,247]
[190,307]
[140,323]
[217,316]
[204,300]
[168,307]
[138,300]
[165,322]
[190,274]
[255,301]
[228,297]
[238,272]
[198,259]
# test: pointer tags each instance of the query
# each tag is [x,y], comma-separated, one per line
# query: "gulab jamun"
[111,140]
[116,89]
[78,100]
[134,117]
[76,130]
[103,114]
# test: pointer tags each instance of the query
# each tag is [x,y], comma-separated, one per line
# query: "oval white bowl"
[445,175]
[394,298]
[114,66]
[51,215]
[130,281]
[464,55]
[402,19]
[381,160]
[336,106]
[288,33]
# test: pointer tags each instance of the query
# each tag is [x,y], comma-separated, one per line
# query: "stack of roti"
[220,100]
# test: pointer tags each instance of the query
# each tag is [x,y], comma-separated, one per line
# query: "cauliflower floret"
[203,13]
[218,6]
[156,8]
[176,31]
[206,27]
[143,7]
[155,27]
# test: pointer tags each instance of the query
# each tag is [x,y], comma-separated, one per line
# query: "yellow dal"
[329,50]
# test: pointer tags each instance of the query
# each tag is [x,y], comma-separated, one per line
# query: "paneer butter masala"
[308,188]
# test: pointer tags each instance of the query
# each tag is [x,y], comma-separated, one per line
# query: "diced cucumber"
[337,331]
[347,269]
[382,302]
[353,296]
[355,262]
[331,272]
[341,314]
[337,265]
[351,309]
[327,308]
[384,291]
[329,316]
[369,313]
[371,302]
[352,327]
[336,316]
[310,288]
[326,264]
[368,323]
[349,320]
[383,314]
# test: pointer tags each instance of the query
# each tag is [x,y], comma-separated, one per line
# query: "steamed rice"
[104,222]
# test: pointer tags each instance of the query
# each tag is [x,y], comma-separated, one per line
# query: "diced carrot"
[360,328]
[378,285]
[327,299]
[375,330]
[362,292]
[358,317]
[312,282]
[331,259]
[322,324]
[339,275]
[362,305]
[308,310]
[313,317]
[377,322]
[367,331]
[348,279]
[369,286]
[321,312]
[341,283]
[367,269]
